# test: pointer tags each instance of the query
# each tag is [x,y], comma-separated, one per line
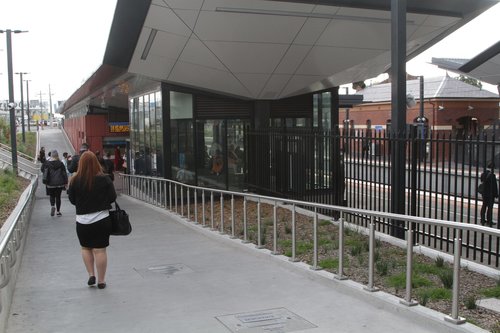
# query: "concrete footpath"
[172,276]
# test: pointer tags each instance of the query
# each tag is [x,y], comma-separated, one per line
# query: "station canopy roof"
[483,67]
[266,49]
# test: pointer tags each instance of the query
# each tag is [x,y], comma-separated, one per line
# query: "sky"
[66,41]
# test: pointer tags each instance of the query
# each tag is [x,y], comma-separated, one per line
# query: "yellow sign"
[119,128]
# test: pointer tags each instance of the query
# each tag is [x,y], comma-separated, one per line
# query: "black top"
[99,198]
[57,176]
[73,165]
[490,184]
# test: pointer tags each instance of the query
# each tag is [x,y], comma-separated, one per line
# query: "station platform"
[170,275]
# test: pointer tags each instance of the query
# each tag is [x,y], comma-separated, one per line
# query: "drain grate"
[164,270]
[279,320]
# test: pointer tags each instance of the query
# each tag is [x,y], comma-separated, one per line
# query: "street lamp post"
[22,105]
[12,105]
[28,103]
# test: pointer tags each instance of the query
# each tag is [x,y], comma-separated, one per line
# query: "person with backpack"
[55,179]
[489,193]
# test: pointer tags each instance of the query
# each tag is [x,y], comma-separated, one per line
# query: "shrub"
[329,263]
[491,292]
[446,277]
[439,261]
[323,223]
[470,302]
[382,267]
[434,294]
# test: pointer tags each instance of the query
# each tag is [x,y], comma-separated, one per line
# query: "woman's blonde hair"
[88,169]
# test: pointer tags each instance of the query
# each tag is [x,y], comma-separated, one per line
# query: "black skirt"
[94,235]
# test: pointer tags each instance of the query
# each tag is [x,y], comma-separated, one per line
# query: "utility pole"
[50,107]
[28,103]
[41,110]
[22,106]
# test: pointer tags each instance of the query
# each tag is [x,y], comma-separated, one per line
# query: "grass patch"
[329,263]
[8,186]
[491,292]
[433,294]
[29,147]
[423,268]
[446,277]
[324,223]
[398,281]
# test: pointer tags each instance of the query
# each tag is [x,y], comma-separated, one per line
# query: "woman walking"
[92,192]
[57,179]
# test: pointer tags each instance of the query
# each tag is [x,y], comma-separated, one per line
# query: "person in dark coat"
[92,192]
[57,180]
[73,165]
[490,192]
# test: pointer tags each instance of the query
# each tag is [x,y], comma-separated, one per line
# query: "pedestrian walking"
[57,180]
[489,192]
[92,192]
[41,155]
[73,164]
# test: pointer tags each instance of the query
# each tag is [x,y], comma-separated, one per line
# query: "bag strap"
[116,206]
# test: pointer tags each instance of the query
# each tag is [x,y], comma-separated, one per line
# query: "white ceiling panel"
[196,53]
[248,57]
[168,45]
[247,27]
[364,13]
[257,4]
[292,59]
[188,17]
[253,82]
[274,85]
[440,21]
[330,10]
[156,67]
[330,60]
[311,31]
[298,82]
[207,78]
[183,4]
[164,19]
[354,33]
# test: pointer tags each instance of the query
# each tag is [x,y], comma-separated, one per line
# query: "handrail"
[142,188]
[11,239]
[7,147]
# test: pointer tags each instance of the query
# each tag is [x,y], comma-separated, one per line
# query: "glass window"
[181,105]
[326,114]
[182,134]
[212,167]
[159,135]
[315,110]
[236,158]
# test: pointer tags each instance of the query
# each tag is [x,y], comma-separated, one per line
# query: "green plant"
[303,247]
[329,263]
[398,281]
[439,261]
[382,267]
[378,243]
[356,249]
[377,256]
[8,185]
[434,294]
[268,223]
[424,268]
[323,223]
[491,292]
[423,299]
[470,302]
[446,277]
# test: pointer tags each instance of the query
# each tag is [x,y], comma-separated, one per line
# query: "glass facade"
[204,152]
[146,135]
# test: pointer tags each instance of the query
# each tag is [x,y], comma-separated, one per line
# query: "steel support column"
[398,113]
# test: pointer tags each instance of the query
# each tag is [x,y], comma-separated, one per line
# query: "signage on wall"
[119,127]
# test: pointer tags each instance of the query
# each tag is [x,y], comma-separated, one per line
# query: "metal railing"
[12,238]
[182,199]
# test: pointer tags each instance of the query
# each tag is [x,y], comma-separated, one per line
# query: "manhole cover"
[164,270]
[278,320]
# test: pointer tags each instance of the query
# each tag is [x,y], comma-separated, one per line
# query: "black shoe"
[52,211]
[101,285]
[91,281]
[59,214]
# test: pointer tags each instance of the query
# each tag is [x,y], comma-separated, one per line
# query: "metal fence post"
[182,200]
[340,275]
[196,207]
[204,221]
[275,229]
[188,204]
[221,214]
[315,241]
[293,258]
[245,239]
[212,210]
[371,258]
[454,318]
[259,229]
[409,266]
[232,217]
[175,198]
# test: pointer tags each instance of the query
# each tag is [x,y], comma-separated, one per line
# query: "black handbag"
[120,224]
